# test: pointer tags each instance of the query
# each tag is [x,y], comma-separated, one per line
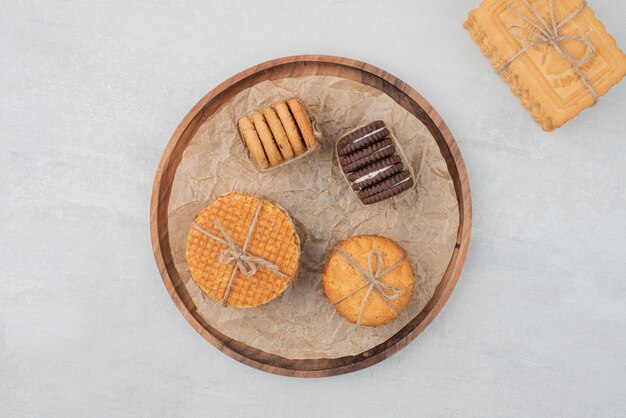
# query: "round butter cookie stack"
[369,279]
[243,250]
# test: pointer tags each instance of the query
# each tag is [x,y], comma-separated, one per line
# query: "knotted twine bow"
[372,280]
[548,34]
[245,263]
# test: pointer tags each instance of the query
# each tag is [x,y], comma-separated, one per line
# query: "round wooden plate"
[296,66]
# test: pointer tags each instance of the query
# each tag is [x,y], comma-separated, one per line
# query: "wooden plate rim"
[327,367]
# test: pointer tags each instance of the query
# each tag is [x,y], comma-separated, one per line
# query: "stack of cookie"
[279,134]
[369,159]
[369,279]
[243,250]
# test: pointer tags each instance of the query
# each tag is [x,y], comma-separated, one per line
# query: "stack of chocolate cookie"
[279,134]
[371,163]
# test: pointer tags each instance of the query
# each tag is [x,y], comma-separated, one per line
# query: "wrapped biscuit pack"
[554,54]
[280,134]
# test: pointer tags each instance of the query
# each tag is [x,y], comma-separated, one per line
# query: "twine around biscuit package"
[302,324]
[555,54]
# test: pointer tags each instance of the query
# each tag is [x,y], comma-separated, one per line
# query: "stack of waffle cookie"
[282,132]
[241,226]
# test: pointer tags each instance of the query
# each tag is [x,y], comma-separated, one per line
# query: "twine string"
[545,33]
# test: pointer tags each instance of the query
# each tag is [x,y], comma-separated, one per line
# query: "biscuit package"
[555,54]
[280,134]
[369,279]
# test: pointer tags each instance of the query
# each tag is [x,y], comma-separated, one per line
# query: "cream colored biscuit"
[547,84]
[267,139]
[291,128]
[303,121]
[253,143]
[340,279]
[280,136]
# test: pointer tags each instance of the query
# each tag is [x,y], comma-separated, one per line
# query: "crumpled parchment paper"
[302,324]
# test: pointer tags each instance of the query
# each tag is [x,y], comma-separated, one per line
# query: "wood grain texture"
[296,66]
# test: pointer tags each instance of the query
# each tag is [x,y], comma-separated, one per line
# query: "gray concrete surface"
[90,93]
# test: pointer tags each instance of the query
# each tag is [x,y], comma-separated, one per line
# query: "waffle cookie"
[370,161]
[283,131]
[243,250]
[368,279]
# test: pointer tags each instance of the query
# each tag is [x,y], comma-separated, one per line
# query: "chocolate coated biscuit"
[386,194]
[376,166]
[383,185]
[390,171]
[365,152]
[370,159]
[355,146]
[360,132]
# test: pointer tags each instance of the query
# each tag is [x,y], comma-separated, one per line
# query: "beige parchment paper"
[302,324]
